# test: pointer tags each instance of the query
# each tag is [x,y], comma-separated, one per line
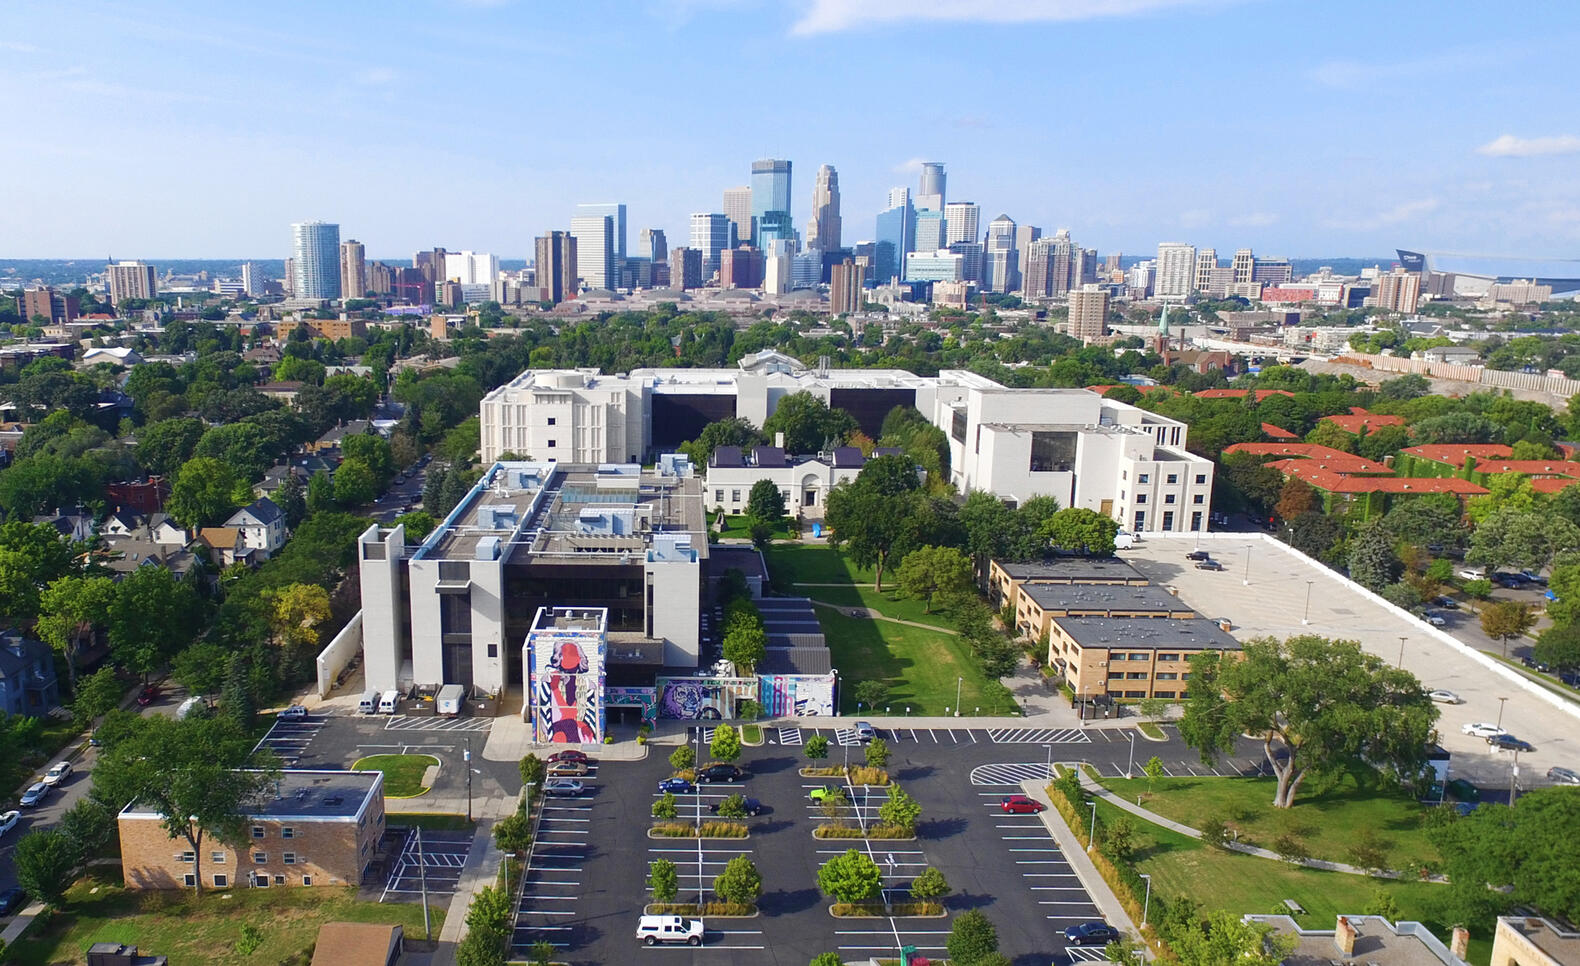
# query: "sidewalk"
[1080,863]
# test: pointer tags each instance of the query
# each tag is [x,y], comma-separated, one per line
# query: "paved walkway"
[872,614]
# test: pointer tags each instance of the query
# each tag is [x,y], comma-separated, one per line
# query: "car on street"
[57,773]
[148,695]
[294,713]
[653,930]
[12,900]
[1091,934]
[1507,742]
[678,786]
[1481,729]
[1447,603]
[1434,618]
[865,732]
[35,794]
[563,787]
[8,820]
[1208,565]
[823,792]
[1563,776]
[1444,696]
[1021,805]
[752,805]
[1198,555]
[569,754]
[1461,790]
[565,769]
[720,773]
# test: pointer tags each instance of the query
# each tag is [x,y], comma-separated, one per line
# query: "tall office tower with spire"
[962,222]
[823,231]
[556,265]
[353,270]
[316,246]
[616,212]
[710,235]
[1206,261]
[595,258]
[1244,263]
[896,236]
[771,200]
[651,243]
[1175,271]
[930,192]
[1001,264]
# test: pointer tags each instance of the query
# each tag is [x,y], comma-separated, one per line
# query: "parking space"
[1040,866]
[846,737]
[289,739]
[403,722]
[552,882]
[431,861]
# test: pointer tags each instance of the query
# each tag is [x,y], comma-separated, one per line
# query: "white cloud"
[1397,215]
[1353,75]
[831,16]
[376,76]
[1509,146]
[18,47]
[1256,219]
[910,166]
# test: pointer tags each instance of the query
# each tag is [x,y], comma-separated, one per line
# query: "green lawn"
[1239,883]
[402,773]
[203,932]
[812,563]
[735,528]
[430,821]
[920,667]
[889,603]
[1325,821]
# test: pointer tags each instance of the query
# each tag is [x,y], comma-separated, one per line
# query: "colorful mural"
[645,699]
[710,699]
[567,686]
[800,695]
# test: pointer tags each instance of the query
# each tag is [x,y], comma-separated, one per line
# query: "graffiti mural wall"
[802,695]
[567,685]
[645,699]
[711,699]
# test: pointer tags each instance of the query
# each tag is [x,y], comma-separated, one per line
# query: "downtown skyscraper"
[771,201]
[595,250]
[823,231]
[316,254]
[896,237]
[930,192]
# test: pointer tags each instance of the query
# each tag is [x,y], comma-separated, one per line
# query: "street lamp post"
[466,758]
[1514,777]
[1402,639]
[1091,836]
[958,682]
[1500,711]
[1132,762]
[1247,580]
[1049,750]
[1146,904]
[1307,618]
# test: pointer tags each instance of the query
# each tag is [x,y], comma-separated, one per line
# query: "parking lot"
[433,862]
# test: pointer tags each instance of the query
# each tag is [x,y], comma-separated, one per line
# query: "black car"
[1091,934]
[753,806]
[1447,603]
[1198,555]
[12,900]
[1509,743]
[720,773]
[1208,565]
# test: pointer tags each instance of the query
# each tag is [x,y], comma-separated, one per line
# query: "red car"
[148,695]
[1021,805]
[570,755]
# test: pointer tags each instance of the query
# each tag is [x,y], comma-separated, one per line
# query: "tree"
[733,431]
[877,753]
[487,929]
[1321,705]
[827,959]
[152,616]
[867,523]
[900,810]
[745,646]
[663,880]
[1559,646]
[766,502]
[198,774]
[816,748]
[1153,769]
[726,744]
[513,833]
[850,877]
[1382,903]
[1504,619]
[70,610]
[808,424]
[739,882]
[733,806]
[32,556]
[1119,839]
[1528,848]
[46,862]
[1297,497]
[295,613]
[292,500]
[1373,563]
[665,806]
[934,574]
[90,825]
[1513,538]
[1080,530]
[1223,938]
[97,694]
[321,492]
[682,758]
[972,937]
[533,771]
[163,446]
[930,884]
[374,452]
[990,528]
[871,695]
[355,484]
[205,492]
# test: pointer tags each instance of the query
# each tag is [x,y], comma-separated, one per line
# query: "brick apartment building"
[315,828]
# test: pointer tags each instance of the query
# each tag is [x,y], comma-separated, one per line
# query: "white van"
[653,930]
[388,701]
[1124,540]
[369,703]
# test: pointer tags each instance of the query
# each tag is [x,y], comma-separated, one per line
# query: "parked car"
[1434,618]
[1021,805]
[720,773]
[1442,696]
[568,755]
[1208,565]
[1469,574]
[865,732]
[294,713]
[563,769]
[1563,776]
[1446,602]
[818,794]
[8,820]
[148,695]
[1481,729]
[57,773]
[1534,577]
[678,786]
[653,930]
[753,806]
[1091,934]
[1507,742]
[1198,555]
[563,787]
[12,900]
[35,794]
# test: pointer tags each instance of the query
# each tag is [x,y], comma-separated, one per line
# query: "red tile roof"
[1277,432]
[1530,467]
[1339,483]
[1454,453]
[1103,390]
[1552,484]
[1354,422]
[1261,394]
[1326,455]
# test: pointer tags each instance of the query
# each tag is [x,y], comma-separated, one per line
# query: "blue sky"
[193,129]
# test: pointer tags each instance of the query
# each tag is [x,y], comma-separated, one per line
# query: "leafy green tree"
[766,502]
[533,771]
[1382,903]
[163,446]
[827,959]
[97,694]
[733,431]
[1504,619]
[900,809]
[1153,769]
[871,695]
[816,748]
[1081,530]
[46,863]
[513,833]
[355,484]
[745,646]
[683,758]
[152,616]
[930,884]
[1559,646]
[733,806]
[990,529]
[934,574]
[665,807]
[246,448]
[32,556]
[321,492]
[739,882]
[972,937]
[663,880]
[205,492]
[1513,538]
[726,744]
[90,826]
[236,700]
[374,452]
[1322,705]
[850,877]
[877,753]
[808,424]
[292,500]
[1372,561]
[867,524]
[1224,938]
[1153,709]
[70,610]
[1119,839]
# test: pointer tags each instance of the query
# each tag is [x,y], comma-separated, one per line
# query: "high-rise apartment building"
[1243,264]
[930,231]
[771,199]
[740,267]
[1037,269]
[930,191]
[471,268]
[961,220]
[1088,312]
[1272,271]
[845,286]
[380,279]
[1175,272]
[937,266]
[823,231]
[45,302]
[616,212]
[353,270]
[595,257]
[738,209]
[1397,291]
[288,280]
[556,265]
[652,244]
[896,236]
[685,267]
[1024,236]
[316,247]
[710,235]
[252,281]
[1206,261]
[970,260]
[131,280]
[1001,263]
[1138,281]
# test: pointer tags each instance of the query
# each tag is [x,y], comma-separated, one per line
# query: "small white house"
[262,526]
[804,481]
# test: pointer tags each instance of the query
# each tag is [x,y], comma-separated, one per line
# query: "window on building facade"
[551,420]
[1168,657]
[218,858]
[718,496]
[1168,498]
[221,880]
[1053,452]
[1140,521]
[1201,479]
[735,496]
[307,880]
[1198,499]
[1173,477]
[187,857]
[1168,520]
[957,425]
[551,443]
[1166,694]
[257,831]
[260,858]
[1143,477]
[1136,676]
[287,832]
[289,858]
[1116,675]
[1195,520]
[1141,498]
[1167,676]
[189,879]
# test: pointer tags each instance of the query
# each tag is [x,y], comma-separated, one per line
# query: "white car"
[294,713]
[1472,575]
[57,773]
[1434,618]
[1442,696]
[8,821]
[1481,729]
[653,930]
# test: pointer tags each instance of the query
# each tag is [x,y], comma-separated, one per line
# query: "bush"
[1368,851]
[972,937]
[728,908]
[732,807]
[251,939]
[1214,830]
[931,884]
[867,776]
[1291,847]
[877,753]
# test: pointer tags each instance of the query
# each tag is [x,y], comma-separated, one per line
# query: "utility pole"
[466,759]
[422,874]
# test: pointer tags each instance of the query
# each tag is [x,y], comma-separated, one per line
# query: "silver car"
[1563,776]
[35,794]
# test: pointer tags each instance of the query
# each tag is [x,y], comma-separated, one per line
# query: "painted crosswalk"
[403,722]
[790,736]
[1039,736]
[1010,773]
[1082,954]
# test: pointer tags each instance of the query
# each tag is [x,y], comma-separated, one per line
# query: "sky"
[1342,128]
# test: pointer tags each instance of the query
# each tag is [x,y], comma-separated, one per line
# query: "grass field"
[202,932]
[735,528]
[889,603]
[1182,866]
[792,565]
[430,821]
[813,563]
[402,773]
[1327,821]
[920,667]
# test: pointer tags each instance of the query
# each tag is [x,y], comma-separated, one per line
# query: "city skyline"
[1345,153]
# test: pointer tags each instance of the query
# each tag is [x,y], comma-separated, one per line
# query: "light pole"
[1514,777]
[1402,639]
[1049,750]
[1091,836]
[1247,566]
[1500,711]
[1307,619]
[466,758]
[1132,762]
[1146,904]
[958,682]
